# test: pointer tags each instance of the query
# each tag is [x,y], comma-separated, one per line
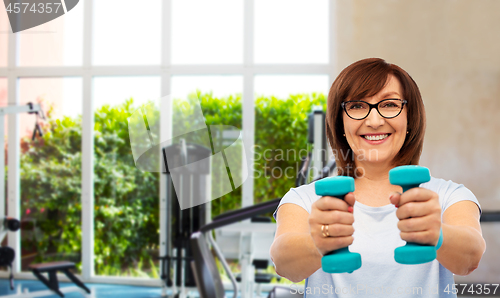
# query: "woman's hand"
[419,214]
[336,216]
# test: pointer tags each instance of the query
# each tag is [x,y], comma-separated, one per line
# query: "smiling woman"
[376,107]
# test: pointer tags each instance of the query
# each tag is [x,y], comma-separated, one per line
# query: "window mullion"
[332,61]
[87,242]
[165,120]
[13,178]
[248,125]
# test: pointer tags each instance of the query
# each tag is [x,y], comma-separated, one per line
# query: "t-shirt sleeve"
[450,193]
[456,193]
[295,196]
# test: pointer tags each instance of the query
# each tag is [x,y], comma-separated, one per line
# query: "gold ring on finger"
[324,230]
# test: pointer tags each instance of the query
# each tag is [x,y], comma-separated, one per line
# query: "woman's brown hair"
[362,79]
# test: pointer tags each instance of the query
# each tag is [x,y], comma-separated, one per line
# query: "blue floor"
[98,290]
[102,290]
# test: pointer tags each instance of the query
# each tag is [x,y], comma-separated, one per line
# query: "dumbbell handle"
[340,260]
[409,186]
[409,177]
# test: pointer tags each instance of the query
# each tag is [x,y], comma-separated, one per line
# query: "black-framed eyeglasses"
[387,108]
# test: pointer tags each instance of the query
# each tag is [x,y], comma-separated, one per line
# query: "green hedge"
[126,199]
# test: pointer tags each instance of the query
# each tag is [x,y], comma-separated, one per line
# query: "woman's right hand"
[337,214]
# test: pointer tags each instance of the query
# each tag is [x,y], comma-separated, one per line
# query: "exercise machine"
[10,223]
[7,254]
[249,242]
[190,164]
[317,137]
[315,165]
[204,267]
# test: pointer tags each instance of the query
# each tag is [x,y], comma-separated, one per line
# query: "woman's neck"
[374,172]
[373,187]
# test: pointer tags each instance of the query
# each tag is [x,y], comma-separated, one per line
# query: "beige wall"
[452,50]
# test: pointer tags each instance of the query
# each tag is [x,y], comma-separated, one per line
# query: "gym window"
[103,53]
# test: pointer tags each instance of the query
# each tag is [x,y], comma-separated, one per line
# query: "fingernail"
[350,209]
[396,206]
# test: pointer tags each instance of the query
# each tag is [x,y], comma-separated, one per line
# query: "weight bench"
[51,269]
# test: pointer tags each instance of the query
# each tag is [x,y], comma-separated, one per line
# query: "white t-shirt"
[376,236]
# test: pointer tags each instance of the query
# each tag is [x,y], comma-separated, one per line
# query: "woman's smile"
[376,138]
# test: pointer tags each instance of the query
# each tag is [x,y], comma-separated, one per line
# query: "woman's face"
[388,135]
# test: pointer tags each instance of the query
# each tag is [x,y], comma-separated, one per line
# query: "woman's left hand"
[419,214]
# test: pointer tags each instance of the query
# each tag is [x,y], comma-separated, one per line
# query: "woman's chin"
[375,161]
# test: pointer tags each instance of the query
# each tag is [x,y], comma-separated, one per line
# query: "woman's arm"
[463,243]
[293,251]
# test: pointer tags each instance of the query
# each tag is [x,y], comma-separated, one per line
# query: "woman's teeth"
[376,137]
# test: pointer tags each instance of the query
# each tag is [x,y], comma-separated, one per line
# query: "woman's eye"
[389,105]
[356,106]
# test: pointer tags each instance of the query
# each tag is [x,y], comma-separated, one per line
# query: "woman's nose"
[374,120]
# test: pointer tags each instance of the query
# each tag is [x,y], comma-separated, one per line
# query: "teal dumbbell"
[341,260]
[409,177]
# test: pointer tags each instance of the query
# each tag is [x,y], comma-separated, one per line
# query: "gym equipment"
[7,254]
[317,137]
[29,108]
[51,269]
[180,224]
[248,242]
[409,177]
[341,260]
[206,274]
[490,216]
[311,165]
